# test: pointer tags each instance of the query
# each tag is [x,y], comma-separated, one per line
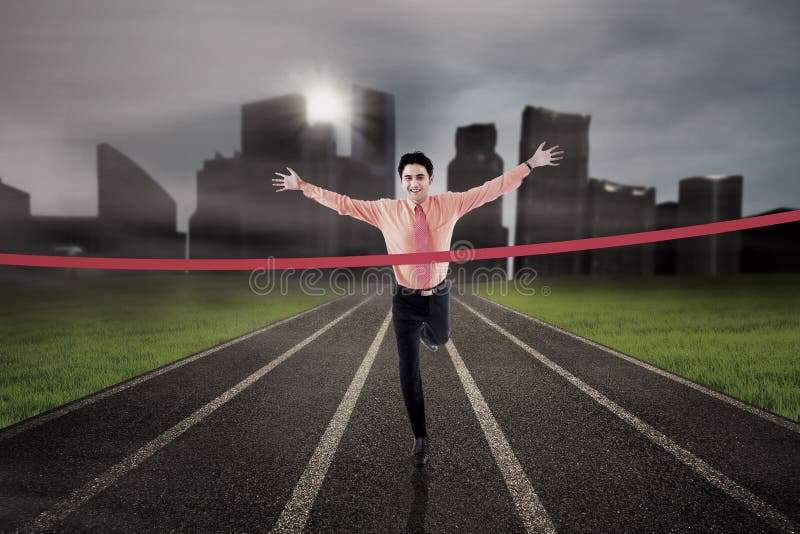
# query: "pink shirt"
[395,218]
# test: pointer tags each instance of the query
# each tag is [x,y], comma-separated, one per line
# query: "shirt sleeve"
[490,190]
[369,211]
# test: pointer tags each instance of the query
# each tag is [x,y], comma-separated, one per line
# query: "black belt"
[426,292]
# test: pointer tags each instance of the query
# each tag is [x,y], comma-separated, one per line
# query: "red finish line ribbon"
[638,238]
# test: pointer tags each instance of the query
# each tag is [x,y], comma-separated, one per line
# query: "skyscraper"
[136,215]
[15,218]
[666,217]
[550,202]
[373,137]
[612,209]
[273,128]
[240,213]
[706,199]
[475,163]
[771,249]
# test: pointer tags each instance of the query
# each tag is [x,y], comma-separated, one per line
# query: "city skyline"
[666,97]
[239,215]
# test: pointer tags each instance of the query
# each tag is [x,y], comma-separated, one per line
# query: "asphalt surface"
[236,459]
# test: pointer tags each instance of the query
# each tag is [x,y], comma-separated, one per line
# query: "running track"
[301,425]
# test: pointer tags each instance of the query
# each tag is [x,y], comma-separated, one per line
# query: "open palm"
[287,181]
[546,157]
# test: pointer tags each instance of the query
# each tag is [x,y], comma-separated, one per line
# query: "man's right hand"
[287,181]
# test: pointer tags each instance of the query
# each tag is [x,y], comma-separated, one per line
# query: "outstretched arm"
[510,180]
[368,211]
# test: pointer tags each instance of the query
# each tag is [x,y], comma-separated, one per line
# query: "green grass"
[60,341]
[737,334]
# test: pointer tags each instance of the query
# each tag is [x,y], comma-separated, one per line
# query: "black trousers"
[411,314]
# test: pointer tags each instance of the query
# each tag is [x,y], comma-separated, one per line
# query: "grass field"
[61,341]
[737,334]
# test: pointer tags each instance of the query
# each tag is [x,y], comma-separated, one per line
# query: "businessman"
[419,223]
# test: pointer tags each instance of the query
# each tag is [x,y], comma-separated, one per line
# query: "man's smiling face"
[416,181]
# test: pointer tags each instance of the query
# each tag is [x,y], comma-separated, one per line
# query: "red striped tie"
[423,271]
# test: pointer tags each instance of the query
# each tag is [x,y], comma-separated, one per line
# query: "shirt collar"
[425,204]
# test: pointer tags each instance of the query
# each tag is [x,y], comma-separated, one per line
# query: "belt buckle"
[426,292]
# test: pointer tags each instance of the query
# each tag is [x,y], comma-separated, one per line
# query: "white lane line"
[776,419]
[66,506]
[294,516]
[528,504]
[716,478]
[80,403]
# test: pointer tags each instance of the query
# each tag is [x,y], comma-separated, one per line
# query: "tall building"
[372,137]
[666,217]
[216,226]
[475,163]
[613,209]
[15,224]
[707,199]
[240,213]
[318,143]
[352,237]
[273,128]
[771,249]
[550,202]
[15,218]
[136,216]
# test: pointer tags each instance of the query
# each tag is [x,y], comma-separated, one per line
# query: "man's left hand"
[545,157]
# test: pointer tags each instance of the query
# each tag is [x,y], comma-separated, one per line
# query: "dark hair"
[415,157]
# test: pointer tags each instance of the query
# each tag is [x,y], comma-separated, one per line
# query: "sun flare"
[325,105]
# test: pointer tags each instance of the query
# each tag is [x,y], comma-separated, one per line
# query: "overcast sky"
[674,89]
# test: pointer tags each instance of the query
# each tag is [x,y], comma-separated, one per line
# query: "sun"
[325,105]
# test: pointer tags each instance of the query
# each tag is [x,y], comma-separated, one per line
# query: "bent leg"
[438,324]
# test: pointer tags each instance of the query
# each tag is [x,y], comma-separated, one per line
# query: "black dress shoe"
[423,336]
[420,451]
